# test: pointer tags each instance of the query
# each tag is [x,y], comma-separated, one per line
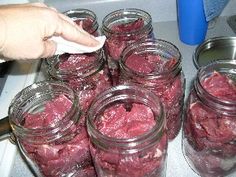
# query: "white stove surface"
[20,76]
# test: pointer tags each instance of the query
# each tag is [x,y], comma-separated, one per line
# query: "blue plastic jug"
[192,23]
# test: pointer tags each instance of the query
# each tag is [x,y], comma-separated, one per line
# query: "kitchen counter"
[176,164]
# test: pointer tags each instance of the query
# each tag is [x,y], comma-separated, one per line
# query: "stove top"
[15,76]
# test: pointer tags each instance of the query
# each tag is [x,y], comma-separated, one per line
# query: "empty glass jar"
[210,121]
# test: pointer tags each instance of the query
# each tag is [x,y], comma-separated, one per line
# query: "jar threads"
[156,65]
[45,119]
[85,18]
[127,152]
[123,27]
[208,131]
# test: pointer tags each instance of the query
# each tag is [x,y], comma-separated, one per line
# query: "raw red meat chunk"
[148,63]
[124,35]
[129,27]
[59,157]
[211,134]
[117,42]
[88,25]
[70,62]
[119,123]
[122,122]
[214,86]
[53,112]
[170,89]
[81,75]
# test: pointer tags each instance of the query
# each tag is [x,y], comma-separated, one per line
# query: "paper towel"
[64,46]
[213,8]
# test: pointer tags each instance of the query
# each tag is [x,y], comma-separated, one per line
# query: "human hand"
[26,29]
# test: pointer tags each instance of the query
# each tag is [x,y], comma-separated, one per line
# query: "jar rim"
[83,11]
[125,11]
[81,72]
[146,43]
[159,127]
[221,66]
[34,92]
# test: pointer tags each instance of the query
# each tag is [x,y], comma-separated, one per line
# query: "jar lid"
[217,48]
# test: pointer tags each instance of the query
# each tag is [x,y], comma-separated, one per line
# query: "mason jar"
[123,27]
[85,18]
[87,74]
[156,65]
[127,130]
[45,121]
[210,121]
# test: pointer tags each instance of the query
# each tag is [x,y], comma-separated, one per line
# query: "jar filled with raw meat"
[45,121]
[209,140]
[85,18]
[156,65]
[87,74]
[127,130]
[123,27]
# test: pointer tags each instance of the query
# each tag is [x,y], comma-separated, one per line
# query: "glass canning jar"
[45,121]
[127,129]
[123,27]
[210,121]
[87,74]
[85,18]
[156,65]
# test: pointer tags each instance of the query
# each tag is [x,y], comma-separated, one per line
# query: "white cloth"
[64,46]
[1,60]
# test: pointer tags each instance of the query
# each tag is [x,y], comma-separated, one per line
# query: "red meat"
[220,86]
[87,87]
[119,123]
[69,62]
[139,64]
[128,121]
[129,27]
[116,43]
[53,111]
[87,25]
[210,134]
[169,90]
[59,158]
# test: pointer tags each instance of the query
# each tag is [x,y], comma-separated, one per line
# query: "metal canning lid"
[218,48]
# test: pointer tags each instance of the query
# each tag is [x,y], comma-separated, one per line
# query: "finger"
[75,34]
[22,5]
[49,48]
[81,24]
[68,19]
[36,4]
[53,8]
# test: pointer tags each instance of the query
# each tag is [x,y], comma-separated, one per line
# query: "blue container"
[192,23]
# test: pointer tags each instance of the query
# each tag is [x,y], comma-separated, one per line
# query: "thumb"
[49,48]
